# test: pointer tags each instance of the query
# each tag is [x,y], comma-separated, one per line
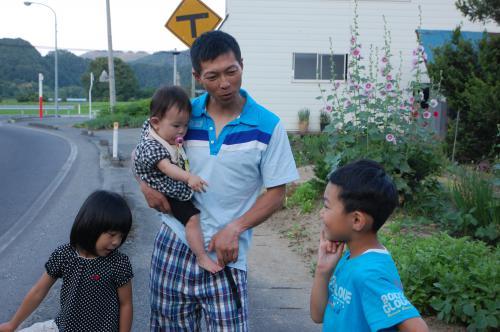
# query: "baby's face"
[173,124]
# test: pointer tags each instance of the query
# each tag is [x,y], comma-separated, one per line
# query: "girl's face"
[107,242]
[174,123]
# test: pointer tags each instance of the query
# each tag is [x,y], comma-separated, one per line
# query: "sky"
[137,25]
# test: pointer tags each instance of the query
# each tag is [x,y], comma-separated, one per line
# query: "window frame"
[319,64]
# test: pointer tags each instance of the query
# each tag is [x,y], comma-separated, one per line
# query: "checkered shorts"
[181,291]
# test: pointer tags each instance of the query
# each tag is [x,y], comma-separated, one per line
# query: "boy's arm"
[31,301]
[416,324]
[329,254]
[126,308]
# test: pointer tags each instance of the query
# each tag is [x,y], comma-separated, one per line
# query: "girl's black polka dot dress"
[89,297]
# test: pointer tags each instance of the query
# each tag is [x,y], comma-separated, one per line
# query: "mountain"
[125,56]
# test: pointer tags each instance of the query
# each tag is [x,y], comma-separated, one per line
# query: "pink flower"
[388,77]
[390,138]
[336,85]
[368,86]
[426,115]
[433,103]
[411,100]
[356,86]
[356,52]
[347,103]
[328,108]
[389,86]
[436,114]
[403,107]
[384,59]
[353,40]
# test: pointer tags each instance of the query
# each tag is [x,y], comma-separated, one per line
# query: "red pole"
[40,95]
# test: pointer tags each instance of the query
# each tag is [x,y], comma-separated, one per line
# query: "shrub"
[305,196]
[373,118]
[478,205]
[456,278]
[308,149]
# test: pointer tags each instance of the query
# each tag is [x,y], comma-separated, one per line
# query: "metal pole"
[56,75]
[40,95]
[115,140]
[90,94]
[111,66]
[175,53]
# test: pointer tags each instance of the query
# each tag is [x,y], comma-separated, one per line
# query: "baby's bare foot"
[208,264]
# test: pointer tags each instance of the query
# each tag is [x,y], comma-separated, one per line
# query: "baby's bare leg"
[194,237]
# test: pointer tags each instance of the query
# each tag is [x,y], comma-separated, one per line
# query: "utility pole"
[175,53]
[111,65]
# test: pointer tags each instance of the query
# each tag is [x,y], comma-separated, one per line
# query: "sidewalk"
[279,283]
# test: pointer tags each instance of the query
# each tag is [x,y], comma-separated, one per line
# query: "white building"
[285,42]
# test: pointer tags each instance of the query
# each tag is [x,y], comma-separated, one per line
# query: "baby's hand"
[196,183]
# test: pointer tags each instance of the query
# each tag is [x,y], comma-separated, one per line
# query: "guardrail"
[35,107]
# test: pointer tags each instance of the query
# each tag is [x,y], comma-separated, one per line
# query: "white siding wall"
[270,31]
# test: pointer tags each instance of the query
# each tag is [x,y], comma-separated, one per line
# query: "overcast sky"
[137,25]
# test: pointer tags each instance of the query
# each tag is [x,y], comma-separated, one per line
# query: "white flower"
[433,103]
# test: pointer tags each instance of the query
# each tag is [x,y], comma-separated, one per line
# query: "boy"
[365,291]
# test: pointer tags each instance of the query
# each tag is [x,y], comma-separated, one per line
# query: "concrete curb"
[43,125]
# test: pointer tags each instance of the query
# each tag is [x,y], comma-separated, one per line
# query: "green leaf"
[468,309]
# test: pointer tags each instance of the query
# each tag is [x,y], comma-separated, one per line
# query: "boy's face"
[173,124]
[221,78]
[337,223]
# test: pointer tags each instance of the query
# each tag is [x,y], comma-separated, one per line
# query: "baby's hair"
[102,211]
[364,186]
[165,98]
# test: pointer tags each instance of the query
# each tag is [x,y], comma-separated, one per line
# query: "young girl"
[96,292]
[161,162]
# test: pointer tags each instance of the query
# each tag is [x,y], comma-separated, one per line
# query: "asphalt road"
[30,160]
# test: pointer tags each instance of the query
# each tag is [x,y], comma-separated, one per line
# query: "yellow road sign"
[191,19]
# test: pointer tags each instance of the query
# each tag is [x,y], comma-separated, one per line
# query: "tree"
[480,10]
[470,80]
[125,80]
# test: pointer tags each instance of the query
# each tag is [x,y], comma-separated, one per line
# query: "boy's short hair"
[364,186]
[101,212]
[210,45]
[166,97]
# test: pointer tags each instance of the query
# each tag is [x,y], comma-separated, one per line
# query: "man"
[238,147]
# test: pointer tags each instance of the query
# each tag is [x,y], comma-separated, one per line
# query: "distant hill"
[125,56]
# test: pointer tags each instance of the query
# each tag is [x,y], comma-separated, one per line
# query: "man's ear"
[196,75]
[360,221]
[241,63]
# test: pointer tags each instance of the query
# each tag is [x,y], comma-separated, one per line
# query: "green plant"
[308,149]
[374,118]
[479,206]
[305,196]
[458,279]
[304,115]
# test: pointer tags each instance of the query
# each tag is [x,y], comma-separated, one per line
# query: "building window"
[313,66]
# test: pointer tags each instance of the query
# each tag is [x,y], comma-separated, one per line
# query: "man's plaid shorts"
[181,291]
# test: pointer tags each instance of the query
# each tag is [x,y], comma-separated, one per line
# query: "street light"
[56,84]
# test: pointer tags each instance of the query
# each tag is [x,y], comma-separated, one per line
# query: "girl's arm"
[175,172]
[126,308]
[31,301]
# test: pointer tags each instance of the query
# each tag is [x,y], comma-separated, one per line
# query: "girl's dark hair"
[101,212]
[166,97]
[210,45]
[364,186]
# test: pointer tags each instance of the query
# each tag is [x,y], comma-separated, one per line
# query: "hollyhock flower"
[336,85]
[368,86]
[389,87]
[390,138]
[436,114]
[433,103]
[415,114]
[353,40]
[356,53]
[388,77]
[411,100]
[426,115]
[384,59]
[328,108]
[403,107]
[356,86]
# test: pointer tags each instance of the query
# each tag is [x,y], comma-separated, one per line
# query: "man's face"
[337,223]
[221,78]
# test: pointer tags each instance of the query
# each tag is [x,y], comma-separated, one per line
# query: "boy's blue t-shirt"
[365,294]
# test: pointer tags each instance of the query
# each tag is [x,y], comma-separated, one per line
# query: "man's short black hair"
[102,211]
[210,45]
[364,186]
[166,97]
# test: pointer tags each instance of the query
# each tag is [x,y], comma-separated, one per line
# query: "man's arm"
[225,242]
[154,198]
[416,324]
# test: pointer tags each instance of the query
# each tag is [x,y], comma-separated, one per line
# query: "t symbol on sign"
[192,18]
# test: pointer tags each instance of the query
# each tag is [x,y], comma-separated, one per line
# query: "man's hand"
[225,244]
[155,199]
[329,254]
